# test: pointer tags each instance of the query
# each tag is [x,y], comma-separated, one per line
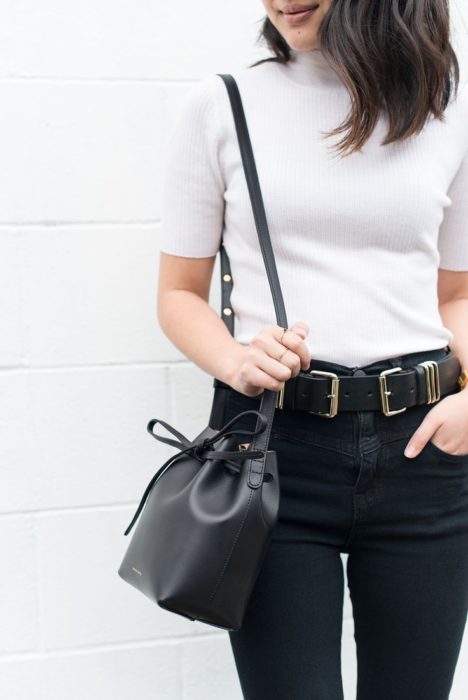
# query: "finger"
[294,341]
[257,377]
[298,355]
[269,342]
[279,369]
[300,328]
[420,437]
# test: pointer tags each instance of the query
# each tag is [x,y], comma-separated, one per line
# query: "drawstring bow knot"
[202,450]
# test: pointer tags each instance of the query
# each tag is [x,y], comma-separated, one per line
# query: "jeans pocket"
[417,415]
[446,455]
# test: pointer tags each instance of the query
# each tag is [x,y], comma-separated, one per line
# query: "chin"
[299,44]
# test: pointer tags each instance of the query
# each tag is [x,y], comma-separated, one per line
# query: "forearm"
[199,333]
[454,315]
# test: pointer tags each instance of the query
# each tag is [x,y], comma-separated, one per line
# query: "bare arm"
[446,424]
[187,319]
[453,308]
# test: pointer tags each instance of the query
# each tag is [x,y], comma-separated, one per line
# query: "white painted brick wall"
[87,92]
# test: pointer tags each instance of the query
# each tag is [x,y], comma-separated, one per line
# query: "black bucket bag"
[208,513]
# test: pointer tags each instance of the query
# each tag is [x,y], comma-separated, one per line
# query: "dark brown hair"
[393,55]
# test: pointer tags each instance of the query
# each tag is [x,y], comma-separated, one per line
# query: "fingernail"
[410,451]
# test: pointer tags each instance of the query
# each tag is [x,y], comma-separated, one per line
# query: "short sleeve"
[453,233]
[192,191]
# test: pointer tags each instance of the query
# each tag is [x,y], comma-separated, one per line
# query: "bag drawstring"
[201,450]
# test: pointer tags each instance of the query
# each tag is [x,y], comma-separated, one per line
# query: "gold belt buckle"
[431,368]
[385,393]
[335,382]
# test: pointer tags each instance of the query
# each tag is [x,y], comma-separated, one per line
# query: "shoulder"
[458,106]
[211,87]
[462,99]
[198,112]
[459,99]
[200,97]
[259,79]
[462,96]
[462,103]
[452,128]
[206,101]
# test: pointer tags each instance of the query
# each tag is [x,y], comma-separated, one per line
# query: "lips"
[295,15]
[294,8]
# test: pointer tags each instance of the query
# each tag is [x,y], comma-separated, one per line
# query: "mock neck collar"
[310,68]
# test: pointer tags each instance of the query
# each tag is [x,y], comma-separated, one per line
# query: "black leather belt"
[390,391]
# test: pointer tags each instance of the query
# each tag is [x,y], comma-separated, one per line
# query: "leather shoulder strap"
[267,406]
[256,199]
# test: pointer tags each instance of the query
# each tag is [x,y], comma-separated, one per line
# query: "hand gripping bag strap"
[267,406]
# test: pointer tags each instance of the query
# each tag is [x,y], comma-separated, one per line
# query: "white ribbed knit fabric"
[357,240]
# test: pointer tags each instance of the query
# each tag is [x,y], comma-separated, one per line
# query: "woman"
[370,236]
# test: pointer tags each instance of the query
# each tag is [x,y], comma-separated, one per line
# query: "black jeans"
[346,486]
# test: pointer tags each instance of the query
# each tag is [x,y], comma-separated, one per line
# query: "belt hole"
[369,393]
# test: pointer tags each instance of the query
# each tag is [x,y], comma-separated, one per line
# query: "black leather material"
[221,393]
[202,533]
[205,518]
[308,392]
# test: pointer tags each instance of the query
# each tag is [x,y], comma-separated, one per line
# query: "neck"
[309,67]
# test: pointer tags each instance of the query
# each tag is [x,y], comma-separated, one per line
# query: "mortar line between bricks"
[71,509]
[163,364]
[172,640]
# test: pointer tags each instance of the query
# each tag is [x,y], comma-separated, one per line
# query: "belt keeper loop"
[431,369]
[280,397]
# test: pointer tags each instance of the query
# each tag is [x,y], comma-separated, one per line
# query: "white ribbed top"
[357,241]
